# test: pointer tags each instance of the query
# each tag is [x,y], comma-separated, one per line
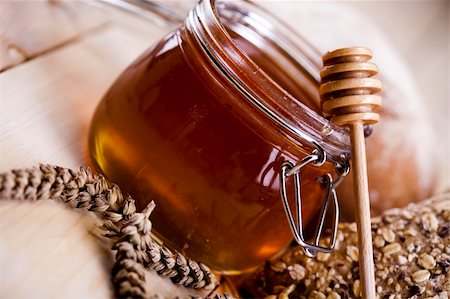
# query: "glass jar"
[203,122]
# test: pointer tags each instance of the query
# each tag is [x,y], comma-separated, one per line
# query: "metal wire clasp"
[316,158]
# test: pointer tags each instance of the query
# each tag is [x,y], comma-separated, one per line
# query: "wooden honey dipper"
[347,97]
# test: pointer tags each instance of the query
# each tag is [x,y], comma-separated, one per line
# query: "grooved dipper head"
[347,89]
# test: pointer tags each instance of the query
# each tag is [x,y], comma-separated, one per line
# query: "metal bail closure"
[288,169]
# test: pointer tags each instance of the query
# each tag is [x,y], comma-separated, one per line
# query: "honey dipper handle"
[347,91]
[362,211]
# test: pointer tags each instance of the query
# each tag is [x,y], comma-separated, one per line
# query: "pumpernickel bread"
[411,254]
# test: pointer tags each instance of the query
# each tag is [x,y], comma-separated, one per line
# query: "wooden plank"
[29,28]
[46,104]
[48,251]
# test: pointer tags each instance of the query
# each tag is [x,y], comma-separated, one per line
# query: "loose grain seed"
[391,249]
[320,282]
[446,215]
[402,260]
[421,276]
[411,232]
[297,272]
[388,234]
[376,220]
[357,288]
[279,266]
[379,289]
[407,215]
[430,222]
[435,252]
[426,261]
[353,253]
[333,295]
[289,289]
[308,282]
[384,274]
[317,295]
[323,257]
[443,206]
[411,257]
[283,295]
[378,241]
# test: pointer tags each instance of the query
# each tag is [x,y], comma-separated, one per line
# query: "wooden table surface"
[47,100]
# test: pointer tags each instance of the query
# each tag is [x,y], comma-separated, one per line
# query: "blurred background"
[420,30]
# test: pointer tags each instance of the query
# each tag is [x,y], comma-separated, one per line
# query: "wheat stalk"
[130,230]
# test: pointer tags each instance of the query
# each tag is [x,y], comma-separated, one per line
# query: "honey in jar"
[201,124]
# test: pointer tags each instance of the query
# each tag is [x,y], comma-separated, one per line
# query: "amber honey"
[172,130]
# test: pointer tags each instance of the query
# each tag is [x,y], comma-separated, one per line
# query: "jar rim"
[301,122]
